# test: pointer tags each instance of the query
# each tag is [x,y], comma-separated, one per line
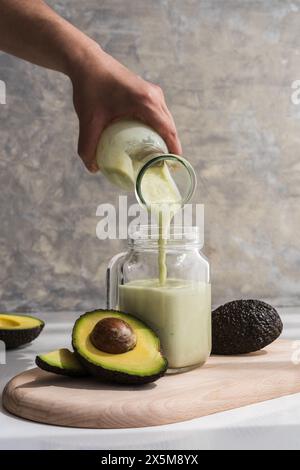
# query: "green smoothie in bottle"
[123,151]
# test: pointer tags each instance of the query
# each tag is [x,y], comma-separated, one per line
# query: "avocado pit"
[113,336]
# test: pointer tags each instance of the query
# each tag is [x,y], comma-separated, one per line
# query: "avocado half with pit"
[141,364]
[17,330]
[61,362]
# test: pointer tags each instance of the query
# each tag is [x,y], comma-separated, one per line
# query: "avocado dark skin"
[65,366]
[14,340]
[243,327]
[57,370]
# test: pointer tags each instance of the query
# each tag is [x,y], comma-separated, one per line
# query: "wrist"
[83,58]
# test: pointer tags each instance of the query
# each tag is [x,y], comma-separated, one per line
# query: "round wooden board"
[223,384]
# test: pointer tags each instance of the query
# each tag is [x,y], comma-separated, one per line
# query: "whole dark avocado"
[243,327]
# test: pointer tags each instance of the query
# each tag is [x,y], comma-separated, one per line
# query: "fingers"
[163,123]
[89,135]
[155,113]
[143,101]
[178,146]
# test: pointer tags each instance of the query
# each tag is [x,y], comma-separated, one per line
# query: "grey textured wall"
[226,68]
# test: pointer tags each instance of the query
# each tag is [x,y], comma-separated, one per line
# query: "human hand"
[104,91]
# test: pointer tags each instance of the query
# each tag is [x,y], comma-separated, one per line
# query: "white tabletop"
[270,425]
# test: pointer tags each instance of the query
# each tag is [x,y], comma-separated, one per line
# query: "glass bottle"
[132,155]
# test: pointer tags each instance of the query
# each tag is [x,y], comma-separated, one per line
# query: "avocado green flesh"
[61,362]
[18,322]
[143,363]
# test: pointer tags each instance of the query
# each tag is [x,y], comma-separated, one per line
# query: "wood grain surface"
[224,383]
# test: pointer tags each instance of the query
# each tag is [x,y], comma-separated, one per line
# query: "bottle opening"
[166,179]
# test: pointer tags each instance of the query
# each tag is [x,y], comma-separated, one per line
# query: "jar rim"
[181,235]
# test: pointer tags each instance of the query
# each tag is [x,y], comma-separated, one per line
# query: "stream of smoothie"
[164,200]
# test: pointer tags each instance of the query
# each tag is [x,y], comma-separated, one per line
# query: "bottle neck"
[164,179]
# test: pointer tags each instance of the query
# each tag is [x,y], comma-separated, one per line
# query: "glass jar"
[180,310]
[134,157]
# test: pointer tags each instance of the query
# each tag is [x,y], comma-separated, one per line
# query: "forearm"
[103,89]
[31,30]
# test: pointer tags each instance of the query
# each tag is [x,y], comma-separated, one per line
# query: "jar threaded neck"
[149,236]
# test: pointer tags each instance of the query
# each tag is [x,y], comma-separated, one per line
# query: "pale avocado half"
[61,362]
[143,364]
[17,330]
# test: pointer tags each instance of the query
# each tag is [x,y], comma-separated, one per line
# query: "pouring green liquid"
[124,150]
[164,200]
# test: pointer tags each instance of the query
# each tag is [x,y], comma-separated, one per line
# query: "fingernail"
[93,167]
